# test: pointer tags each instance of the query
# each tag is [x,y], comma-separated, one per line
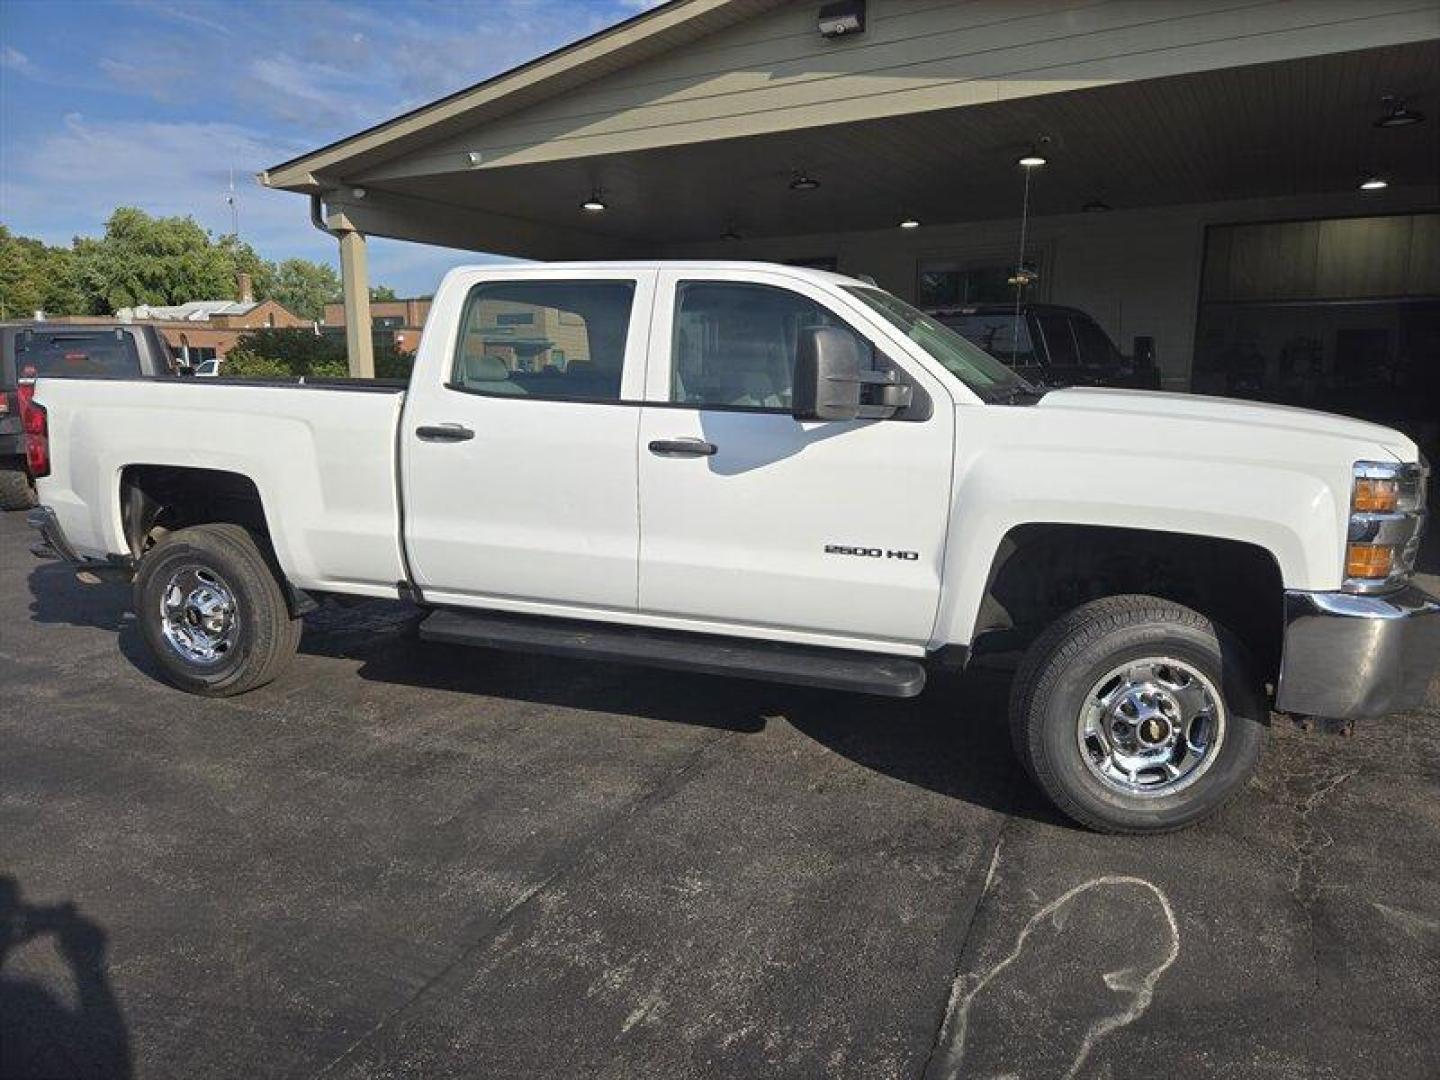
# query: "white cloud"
[183,168]
[305,93]
[166,83]
[189,14]
[12,59]
[72,177]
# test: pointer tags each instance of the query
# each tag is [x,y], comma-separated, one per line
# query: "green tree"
[35,276]
[291,351]
[382,293]
[169,260]
[305,287]
[288,353]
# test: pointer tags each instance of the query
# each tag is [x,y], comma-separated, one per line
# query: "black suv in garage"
[1050,345]
[31,349]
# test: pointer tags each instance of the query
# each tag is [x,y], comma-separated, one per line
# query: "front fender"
[1295,512]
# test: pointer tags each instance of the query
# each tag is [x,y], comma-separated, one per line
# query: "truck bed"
[322,449]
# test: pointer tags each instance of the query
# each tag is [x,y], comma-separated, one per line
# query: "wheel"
[211,610]
[1137,715]
[17,490]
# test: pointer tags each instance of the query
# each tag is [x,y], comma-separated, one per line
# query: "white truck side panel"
[323,462]
[1282,489]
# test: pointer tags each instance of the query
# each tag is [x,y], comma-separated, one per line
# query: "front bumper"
[1348,657]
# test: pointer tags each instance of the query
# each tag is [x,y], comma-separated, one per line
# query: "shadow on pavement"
[953,739]
[57,597]
[40,1034]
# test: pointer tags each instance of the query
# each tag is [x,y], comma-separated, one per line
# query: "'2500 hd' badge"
[871,552]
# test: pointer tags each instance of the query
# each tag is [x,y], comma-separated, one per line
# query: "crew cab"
[776,473]
[1051,345]
[30,349]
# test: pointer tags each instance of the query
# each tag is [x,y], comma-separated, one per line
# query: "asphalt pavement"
[413,860]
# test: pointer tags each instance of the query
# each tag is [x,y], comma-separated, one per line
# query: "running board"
[832,669]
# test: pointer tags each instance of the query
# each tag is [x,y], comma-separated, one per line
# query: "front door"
[519,471]
[830,532]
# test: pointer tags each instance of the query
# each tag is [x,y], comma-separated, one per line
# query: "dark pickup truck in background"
[1051,345]
[31,349]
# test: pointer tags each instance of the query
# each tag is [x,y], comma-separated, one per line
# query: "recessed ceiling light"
[910,223]
[1374,183]
[594,204]
[803,182]
[1399,115]
[1031,160]
[1097,206]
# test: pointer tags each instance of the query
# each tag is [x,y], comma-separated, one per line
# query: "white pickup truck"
[781,474]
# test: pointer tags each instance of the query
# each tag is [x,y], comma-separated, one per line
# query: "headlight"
[1387,516]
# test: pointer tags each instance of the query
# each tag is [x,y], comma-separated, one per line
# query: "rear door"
[519,472]
[830,532]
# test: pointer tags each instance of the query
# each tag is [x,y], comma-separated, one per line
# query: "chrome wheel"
[1151,727]
[199,615]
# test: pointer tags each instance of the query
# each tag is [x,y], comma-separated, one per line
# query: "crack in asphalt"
[1312,838]
[672,782]
[968,920]
[1309,786]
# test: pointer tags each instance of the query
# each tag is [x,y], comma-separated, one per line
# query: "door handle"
[683,448]
[444,433]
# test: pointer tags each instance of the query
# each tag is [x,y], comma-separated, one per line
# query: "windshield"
[969,363]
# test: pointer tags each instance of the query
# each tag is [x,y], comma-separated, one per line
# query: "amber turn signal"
[1369,560]
[1375,496]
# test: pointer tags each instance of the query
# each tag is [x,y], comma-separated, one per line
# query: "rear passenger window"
[734,344]
[560,340]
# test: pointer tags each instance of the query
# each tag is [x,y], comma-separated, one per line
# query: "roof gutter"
[317,215]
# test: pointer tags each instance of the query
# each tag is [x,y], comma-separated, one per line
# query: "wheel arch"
[1040,571]
[155,499]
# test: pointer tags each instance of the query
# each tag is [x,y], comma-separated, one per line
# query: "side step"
[833,669]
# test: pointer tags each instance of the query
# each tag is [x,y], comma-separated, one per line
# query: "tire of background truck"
[210,607]
[17,490]
[1137,715]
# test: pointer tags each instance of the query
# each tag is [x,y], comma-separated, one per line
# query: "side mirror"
[827,374]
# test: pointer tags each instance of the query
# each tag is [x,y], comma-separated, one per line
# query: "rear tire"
[17,490]
[1137,715]
[212,611]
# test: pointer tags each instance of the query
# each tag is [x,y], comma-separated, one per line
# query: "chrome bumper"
[1348,657]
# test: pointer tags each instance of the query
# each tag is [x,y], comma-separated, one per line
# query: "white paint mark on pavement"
[1076,959]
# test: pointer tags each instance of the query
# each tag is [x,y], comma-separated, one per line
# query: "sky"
[153,103]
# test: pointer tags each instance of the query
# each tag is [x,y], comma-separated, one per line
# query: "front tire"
[1137,715]
[17,490]
[212,612]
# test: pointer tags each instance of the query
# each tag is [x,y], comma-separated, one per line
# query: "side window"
[544,339]
[1095,347]
[1058,339]
[734,344]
